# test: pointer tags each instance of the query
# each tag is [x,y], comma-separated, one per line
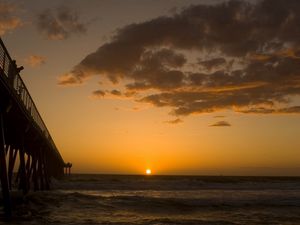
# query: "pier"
[28,154]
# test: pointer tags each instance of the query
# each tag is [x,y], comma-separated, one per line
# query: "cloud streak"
[234,55]
[175,121]
[221,124]
[60,24]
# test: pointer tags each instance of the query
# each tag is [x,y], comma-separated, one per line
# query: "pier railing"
[19,88]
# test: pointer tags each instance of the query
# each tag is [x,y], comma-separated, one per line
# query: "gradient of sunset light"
[123,136]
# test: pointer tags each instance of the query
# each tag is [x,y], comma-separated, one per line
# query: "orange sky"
[100,131]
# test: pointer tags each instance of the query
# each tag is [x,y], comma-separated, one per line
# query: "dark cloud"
[221,124]
[157,69]
[116,92]
[8,19]
[60,24]
[99,93]
[249,55]
[261,110]
[293,109]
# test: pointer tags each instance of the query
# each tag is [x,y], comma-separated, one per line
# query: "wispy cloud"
[60,23]
[221,124]
[35,60]
[8,20]
[253,65]
[175,121]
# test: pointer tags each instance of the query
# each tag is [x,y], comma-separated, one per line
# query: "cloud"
[35,60]
[60,23]
[212,63]
[262,110]
[175,121]
[221,124]
[109,94]
[8,20]
[116,92]
[99,94]
[69,79]
[293,109]
[233,55]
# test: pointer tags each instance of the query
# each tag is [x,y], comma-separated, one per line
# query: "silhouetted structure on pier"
[24,138]
[68,167]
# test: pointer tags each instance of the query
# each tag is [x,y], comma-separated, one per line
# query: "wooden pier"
[28,154]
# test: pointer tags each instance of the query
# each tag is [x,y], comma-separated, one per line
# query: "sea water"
[120,199]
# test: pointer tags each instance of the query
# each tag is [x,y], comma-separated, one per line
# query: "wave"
[133,182]
[183,201]
[156,207]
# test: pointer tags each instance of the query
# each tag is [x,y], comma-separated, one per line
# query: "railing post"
[3,172]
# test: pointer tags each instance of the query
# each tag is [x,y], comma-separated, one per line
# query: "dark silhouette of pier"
[28,154]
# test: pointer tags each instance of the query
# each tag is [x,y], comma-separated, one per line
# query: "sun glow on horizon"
[148,171]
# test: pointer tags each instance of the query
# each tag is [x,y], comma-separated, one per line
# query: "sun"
[148,172]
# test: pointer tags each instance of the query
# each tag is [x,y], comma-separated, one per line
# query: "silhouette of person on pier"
[13,71]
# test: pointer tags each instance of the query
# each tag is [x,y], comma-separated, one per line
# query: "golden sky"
[180,87]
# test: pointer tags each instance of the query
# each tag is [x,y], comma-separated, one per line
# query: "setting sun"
[148,171]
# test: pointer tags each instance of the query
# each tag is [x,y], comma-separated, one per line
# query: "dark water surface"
[119,199]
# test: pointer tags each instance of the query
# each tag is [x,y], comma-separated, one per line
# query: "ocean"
[158,200]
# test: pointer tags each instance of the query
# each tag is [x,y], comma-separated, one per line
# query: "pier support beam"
[40,171]
[3,172]
[34,173]
[22,169]
[10,164]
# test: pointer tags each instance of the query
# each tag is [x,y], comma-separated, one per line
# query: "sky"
[192,87]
